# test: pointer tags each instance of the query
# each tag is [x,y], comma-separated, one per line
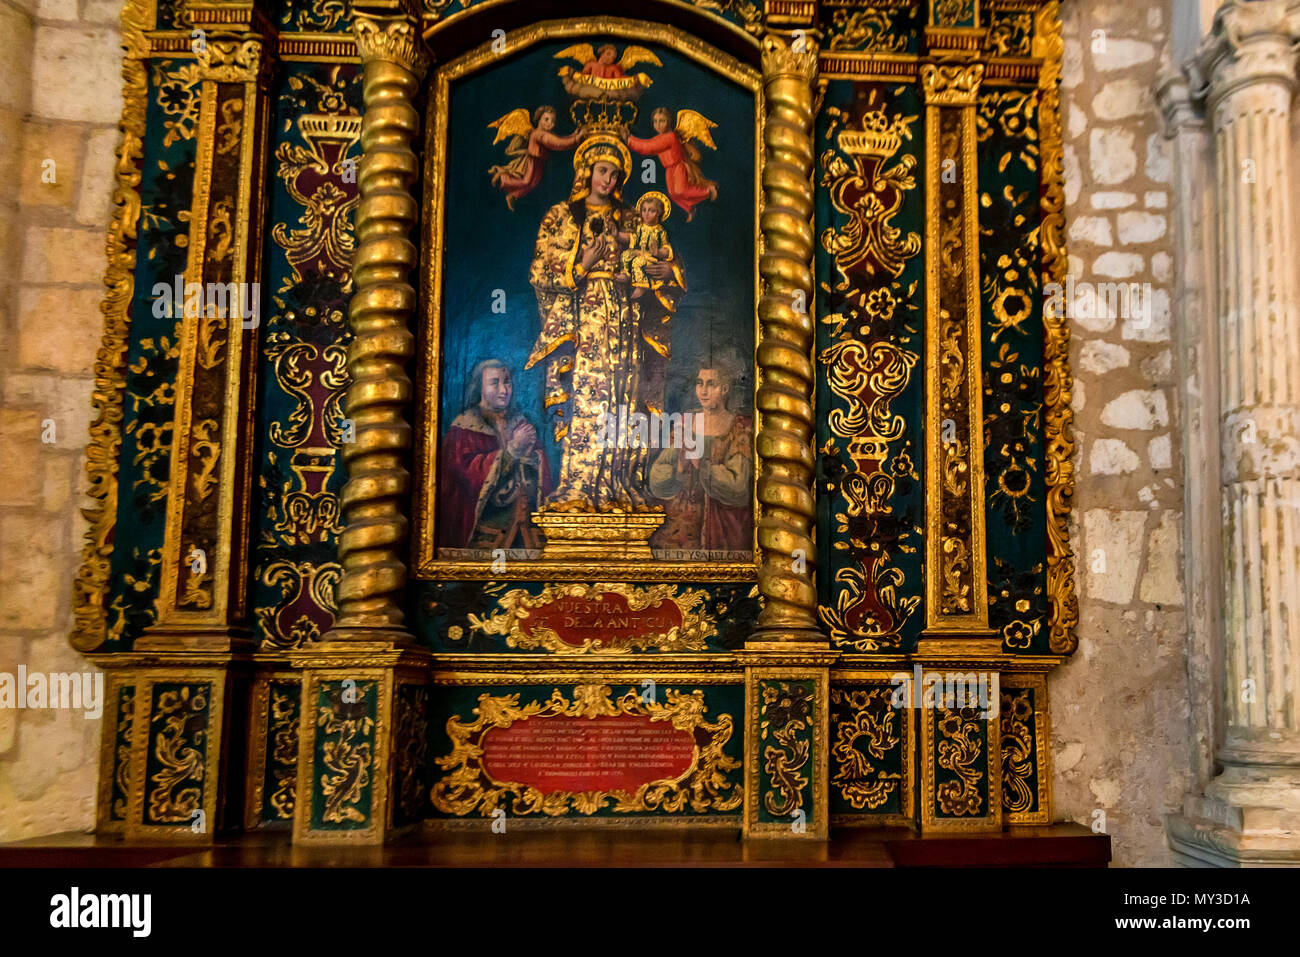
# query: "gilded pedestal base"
[362,742]
[166,771]
[597,535]
[960,744]
[787,714]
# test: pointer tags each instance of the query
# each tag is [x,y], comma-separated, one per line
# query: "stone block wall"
[1119,708]
[59,107]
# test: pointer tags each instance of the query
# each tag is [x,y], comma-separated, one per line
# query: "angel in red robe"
[600,77]
[530,145]
[604,66]
[494,473]
[674,145]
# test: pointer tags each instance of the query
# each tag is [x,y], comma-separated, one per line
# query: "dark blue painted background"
[488,247]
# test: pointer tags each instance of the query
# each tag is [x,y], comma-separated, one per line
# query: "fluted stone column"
[1245,73]
[1196,355]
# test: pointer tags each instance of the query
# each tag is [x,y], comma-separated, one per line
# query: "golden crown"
[604,115]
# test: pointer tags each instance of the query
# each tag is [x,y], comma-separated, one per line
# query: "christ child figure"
[646,243]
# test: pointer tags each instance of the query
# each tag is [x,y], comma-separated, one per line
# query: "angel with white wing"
[674,144]
[529,145]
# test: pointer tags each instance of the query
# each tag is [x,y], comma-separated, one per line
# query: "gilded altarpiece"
[642,475]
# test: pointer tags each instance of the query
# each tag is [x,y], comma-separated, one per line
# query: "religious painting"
[590,319]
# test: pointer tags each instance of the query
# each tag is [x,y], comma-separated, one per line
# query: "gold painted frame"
[819,753]
[908,729]
[663,671]
[220,684]
[424,561]
[1042,745]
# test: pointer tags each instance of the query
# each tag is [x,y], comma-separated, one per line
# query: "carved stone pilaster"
[1197,358]
[1245,73]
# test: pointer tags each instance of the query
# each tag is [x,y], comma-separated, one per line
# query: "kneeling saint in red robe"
[494,472]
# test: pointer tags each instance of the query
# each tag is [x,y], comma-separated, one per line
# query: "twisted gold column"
[787,578]
[370,548]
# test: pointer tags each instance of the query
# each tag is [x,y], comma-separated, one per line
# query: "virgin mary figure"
[600,346]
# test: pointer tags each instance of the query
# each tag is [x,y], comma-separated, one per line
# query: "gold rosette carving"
[951,85]
[231,59]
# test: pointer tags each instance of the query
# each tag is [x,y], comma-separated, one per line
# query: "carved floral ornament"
[789,64]
[394,40]
[951,84]
[797,59]
[231,60]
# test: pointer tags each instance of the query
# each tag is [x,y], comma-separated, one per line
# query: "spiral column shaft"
[371,548]
[787,574]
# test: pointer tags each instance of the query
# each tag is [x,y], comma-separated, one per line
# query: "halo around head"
[663,201]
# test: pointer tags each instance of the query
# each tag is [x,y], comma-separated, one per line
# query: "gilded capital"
[952,13]
[231,59]
[390,39]
[798,58]
[955,84]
